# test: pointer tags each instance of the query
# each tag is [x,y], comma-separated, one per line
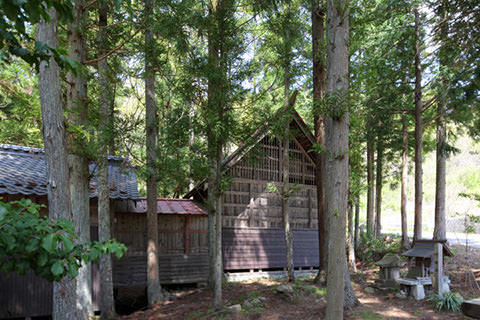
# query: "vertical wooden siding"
[254,200]
[258,248]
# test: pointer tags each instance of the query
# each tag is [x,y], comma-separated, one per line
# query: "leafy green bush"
[29,241]
[371,249]
[448,302]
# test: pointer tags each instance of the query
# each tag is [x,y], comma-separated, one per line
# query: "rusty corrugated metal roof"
[168,206]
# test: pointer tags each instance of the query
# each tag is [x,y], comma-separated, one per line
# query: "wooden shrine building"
[253,236]
[183,247]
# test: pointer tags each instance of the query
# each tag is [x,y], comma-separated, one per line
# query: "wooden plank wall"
[183,249]
[260,248]
[24,295]
[253,200]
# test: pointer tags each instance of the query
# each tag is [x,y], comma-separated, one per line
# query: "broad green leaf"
[49,243]
[57,268]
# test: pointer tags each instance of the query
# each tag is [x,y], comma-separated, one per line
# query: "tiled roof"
[168,206]
[22,171]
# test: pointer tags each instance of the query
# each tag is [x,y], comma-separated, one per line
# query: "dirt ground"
[261,300]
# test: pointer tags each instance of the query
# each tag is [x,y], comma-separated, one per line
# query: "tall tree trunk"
[285,207]
[218,301]
[54,139]
[219,11]
[379,185]
[350,239]
[286,163]
[77,160]
[191,141]
[440,230]
[357,222]
[403,201]
[336,162]
[370,184]
[107,304]
[417,233]
[154,289]
[318,45]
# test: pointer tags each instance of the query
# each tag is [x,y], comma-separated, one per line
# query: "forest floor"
[261,299]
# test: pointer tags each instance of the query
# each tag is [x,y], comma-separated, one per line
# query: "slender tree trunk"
[371,184]
[286,166]
[418,132]
[403,204]
[218,301]
[54,139]
[107,304]
[78,162]
[154,289]
[350,239]
[219,11]
[285,207]
[337,134]
[357,222]
[318,45]
[191,141]
[440,230]
[379,185]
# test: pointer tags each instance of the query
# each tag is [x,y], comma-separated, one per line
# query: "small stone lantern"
[390,266]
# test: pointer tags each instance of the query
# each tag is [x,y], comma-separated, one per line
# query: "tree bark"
[403,204]
[350,239]
[285,207]
[54,138]
[440,230]
[286,163]
[107,304]
[78,162]
[357,222]
[154,289]
[350,300]
[418,131]
[219,12]
[337,134]
[218,301]
[370,183]
[318,48]
[379,185]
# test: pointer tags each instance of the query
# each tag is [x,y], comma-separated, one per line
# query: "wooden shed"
[182,242]
[253,236]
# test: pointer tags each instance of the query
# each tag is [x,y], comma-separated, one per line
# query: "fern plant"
[448,302]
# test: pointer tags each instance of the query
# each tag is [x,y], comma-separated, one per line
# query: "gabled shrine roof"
[304,136]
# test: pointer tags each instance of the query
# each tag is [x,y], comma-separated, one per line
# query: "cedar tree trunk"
[370,183]
[54,139]
[154,290]
[418,132]
[318,45]
[378,186]
[78,162]
[337,134]
[107,304]
[403,188]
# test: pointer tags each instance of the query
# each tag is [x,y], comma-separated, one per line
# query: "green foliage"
[449,301]
[29,241]
[16,32]
[372,249]
[20,117]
